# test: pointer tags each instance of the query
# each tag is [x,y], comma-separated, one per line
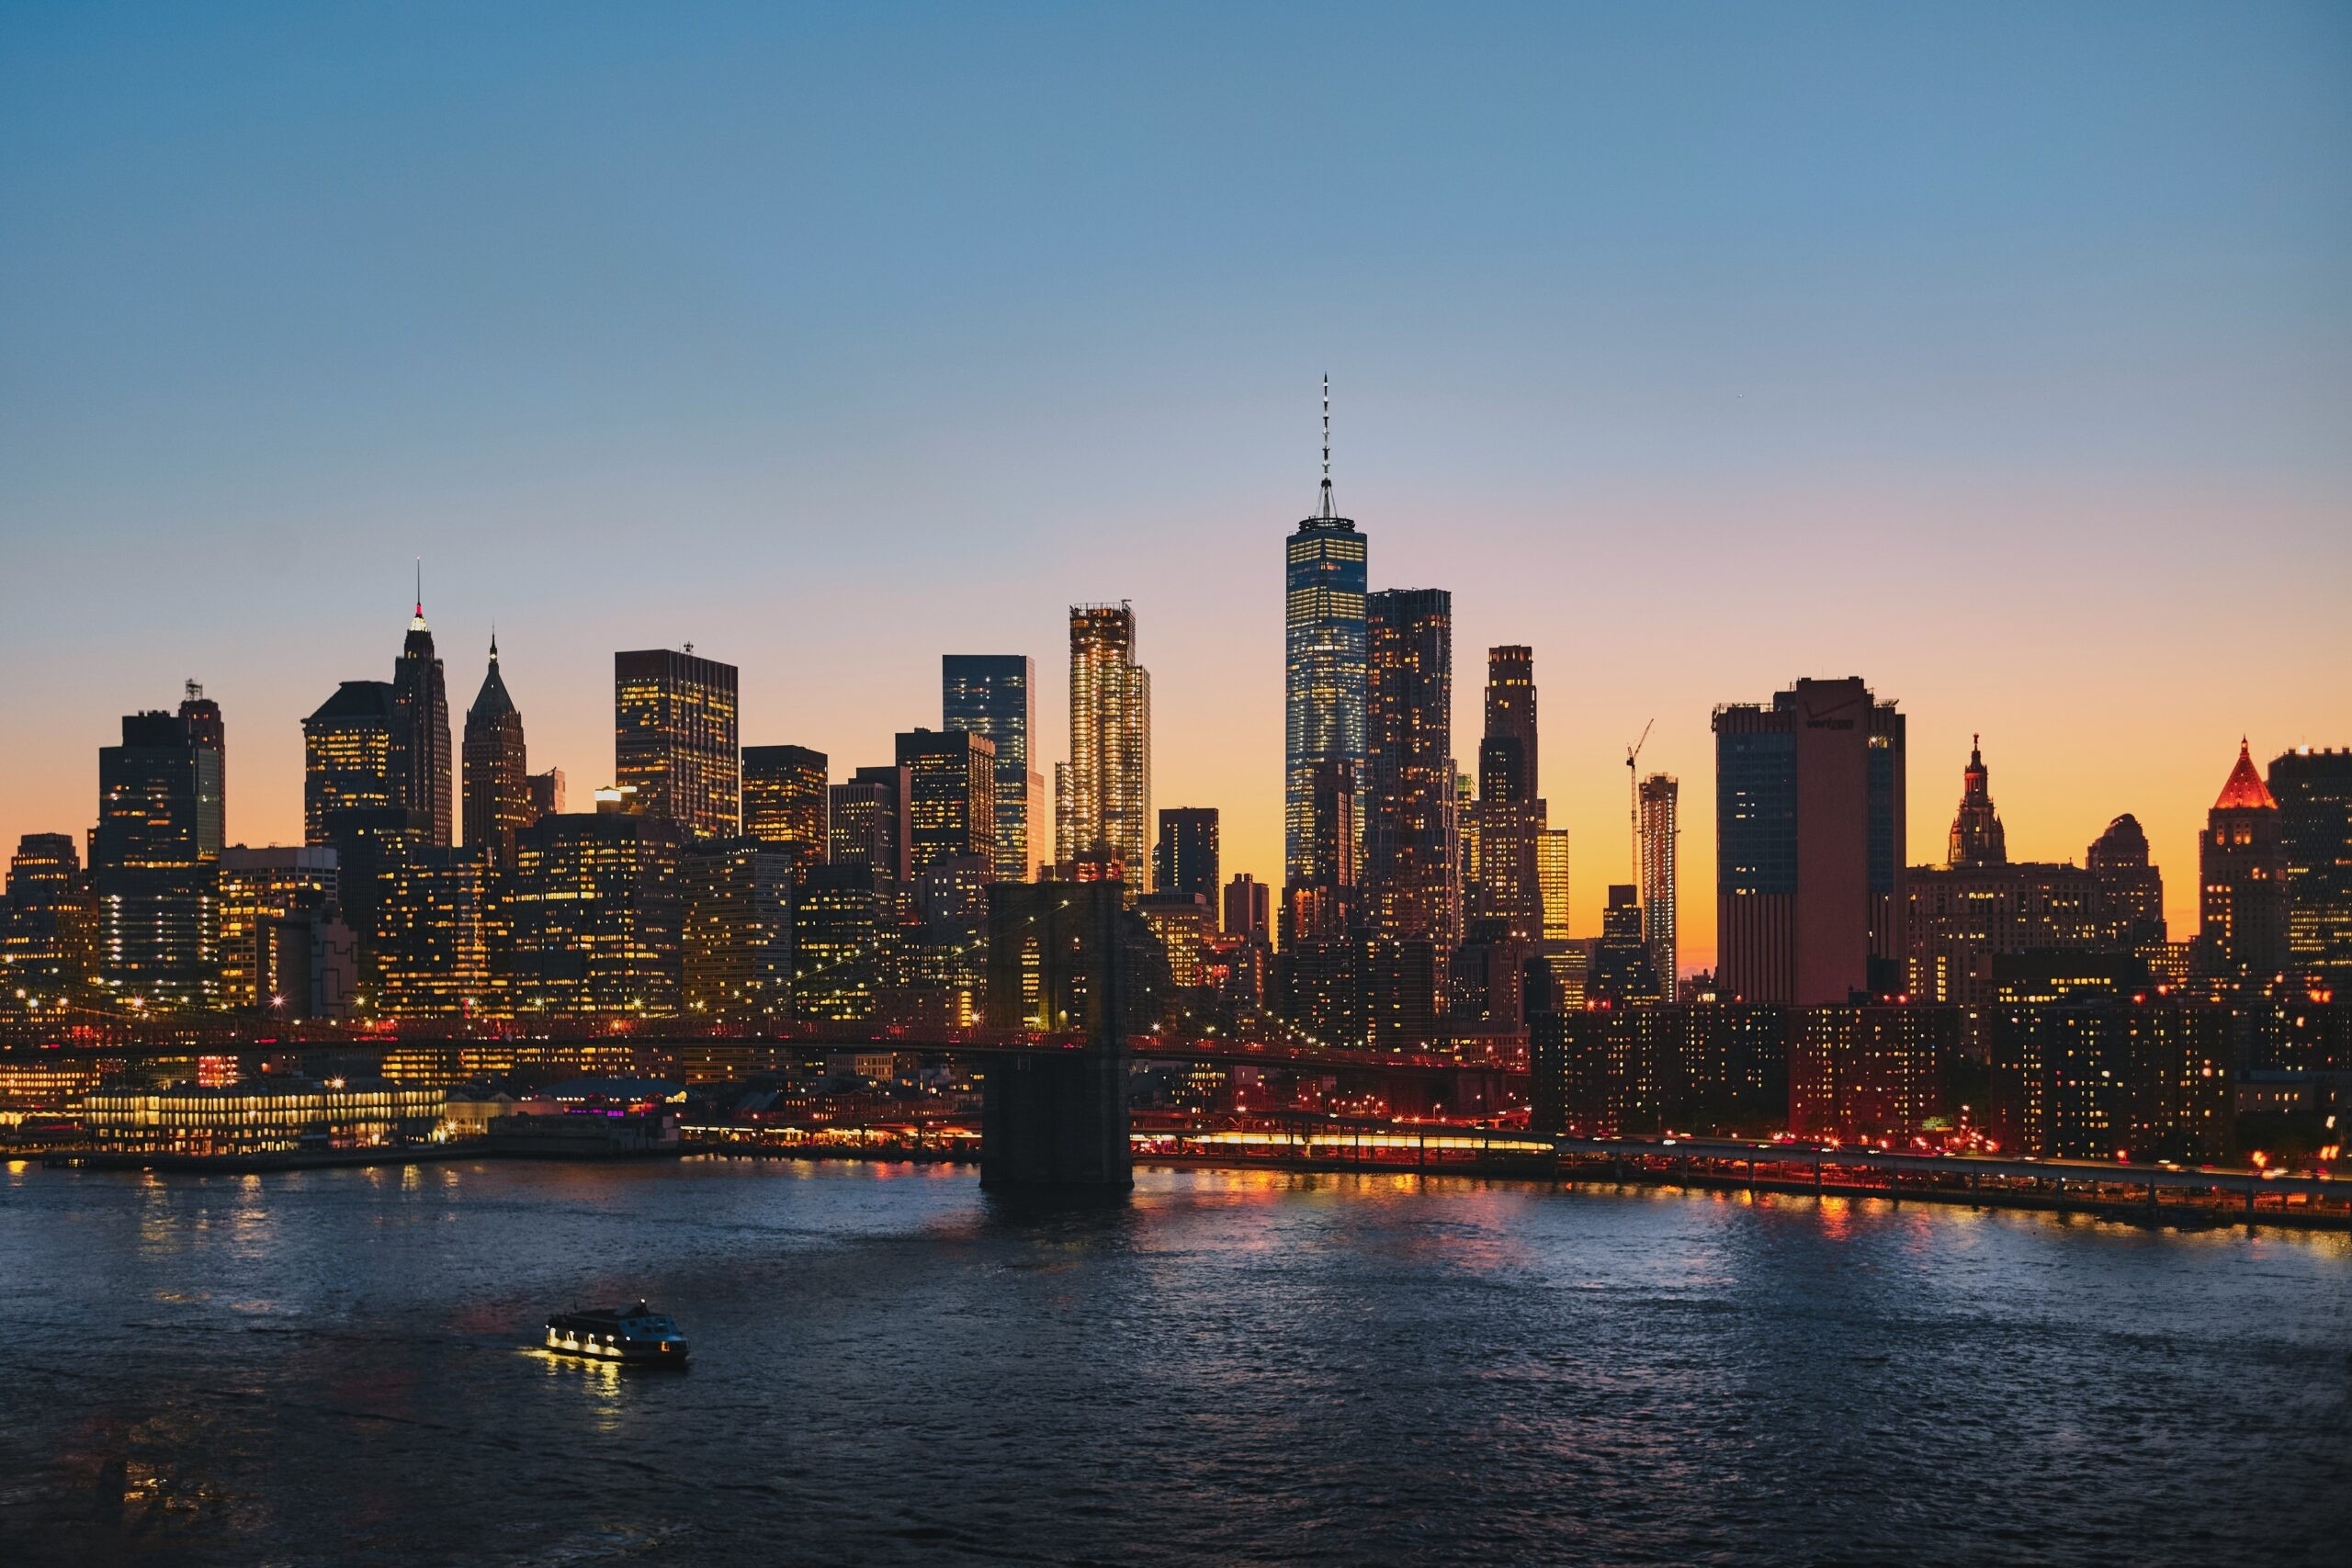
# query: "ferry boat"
[636,1333]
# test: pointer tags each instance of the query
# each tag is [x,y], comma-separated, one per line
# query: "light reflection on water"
[342,1366]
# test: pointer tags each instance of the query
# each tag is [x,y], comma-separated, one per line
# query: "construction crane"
[1634,799]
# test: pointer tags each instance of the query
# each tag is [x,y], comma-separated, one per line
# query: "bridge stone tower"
[1059,966]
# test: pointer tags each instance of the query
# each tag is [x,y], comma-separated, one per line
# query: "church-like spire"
[1976,835]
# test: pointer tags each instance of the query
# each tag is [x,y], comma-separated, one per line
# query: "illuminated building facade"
[1605,1071]
[498,802]
[595,916]
[2241,863]
[1104,794]
[869,825]
[1183,923]
[268,900]
[2313,789]
[1324,581]
[433,917]
[347,756]
[1502,830]
[1870,1071]
[2101,1077]
[154,862]
[951,796]
[1658,829]
[842,940]
[995,694]
[547,793]
[785,800]
[420,753]
[1552,876]
[737,955]
[1809,833]
[50,938]
[1186,858]
[674,739]
[247,1118]
[1412,851]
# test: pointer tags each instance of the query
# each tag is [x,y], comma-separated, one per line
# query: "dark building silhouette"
[995,694]
[205,727]
[420,771]
[1964,917]
[1185,860]
[674,739]
[785,800]
[951,795]
[498,776]
[154,860]
[2241,864]
[1248,909]
[2313,789]
[547,793]
[1622,969]
[1809,824]
[1412,882]
[2131,888]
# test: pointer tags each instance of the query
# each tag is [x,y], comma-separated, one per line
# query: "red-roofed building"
[2242,862]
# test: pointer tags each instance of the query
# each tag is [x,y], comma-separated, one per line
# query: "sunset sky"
[1999,355]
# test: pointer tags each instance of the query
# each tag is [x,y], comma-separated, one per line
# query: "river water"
[336,1367]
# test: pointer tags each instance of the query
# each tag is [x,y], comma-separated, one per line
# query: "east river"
[336,1367]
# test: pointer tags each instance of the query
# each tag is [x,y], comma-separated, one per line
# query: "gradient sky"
[2001,353]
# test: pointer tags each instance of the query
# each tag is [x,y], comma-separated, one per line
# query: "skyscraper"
[1108,783]
[869,825]
[202,716]
[2314,794]
[1976,836]
[1323,651]
[596,914]
[154,860]
[497,779]
[951,796]
[2241,858]
[785,800]
[1412,863]
[1659,795]
[1249,912]
[1509,815]
[1809,885]
[420,753]
[1186,859]
[1552,874]
[347,756]
[995,694]
[674,739]
[50,938]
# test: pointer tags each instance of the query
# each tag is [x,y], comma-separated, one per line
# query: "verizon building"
[1809,809]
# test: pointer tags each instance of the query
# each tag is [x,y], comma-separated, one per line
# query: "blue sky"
[1998,352]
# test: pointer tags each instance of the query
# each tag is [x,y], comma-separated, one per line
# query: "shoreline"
[1604,1174]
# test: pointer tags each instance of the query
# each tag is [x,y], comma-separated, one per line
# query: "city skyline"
[2060,442]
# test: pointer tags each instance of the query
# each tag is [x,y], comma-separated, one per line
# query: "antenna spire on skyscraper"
[1326,444]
